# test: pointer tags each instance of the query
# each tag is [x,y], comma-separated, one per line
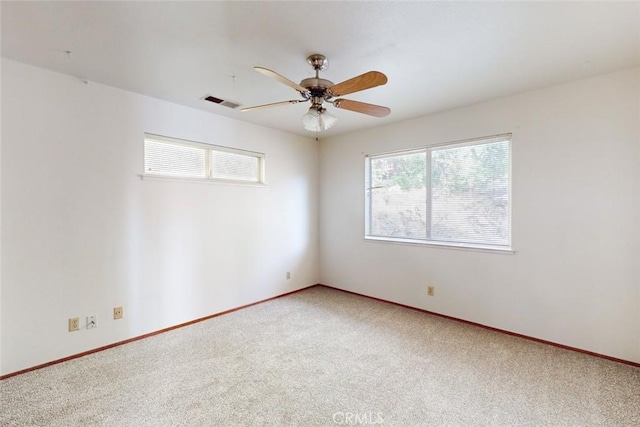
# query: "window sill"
[445,245]
[200,180]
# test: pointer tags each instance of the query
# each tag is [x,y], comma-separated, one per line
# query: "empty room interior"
[320,213]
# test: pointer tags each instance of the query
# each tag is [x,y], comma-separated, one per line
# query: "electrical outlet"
[431,290]
[288,275]
[92,322]
[118,312]
[74,324]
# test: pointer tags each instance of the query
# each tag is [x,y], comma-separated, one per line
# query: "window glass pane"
[233,166]
[398,196]
[161,158]
[470,193]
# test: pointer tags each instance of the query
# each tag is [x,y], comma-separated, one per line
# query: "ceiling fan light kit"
[318,119]
[317,91]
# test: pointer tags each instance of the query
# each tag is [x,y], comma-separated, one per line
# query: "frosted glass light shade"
[318,120]
[327,120]
[310,120]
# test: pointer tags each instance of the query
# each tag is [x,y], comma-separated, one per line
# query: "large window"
[455,194]
[169,157]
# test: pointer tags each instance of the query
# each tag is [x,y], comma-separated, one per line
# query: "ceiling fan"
[318,91]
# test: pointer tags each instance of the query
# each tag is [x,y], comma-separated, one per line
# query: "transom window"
[170,157]
[456,194]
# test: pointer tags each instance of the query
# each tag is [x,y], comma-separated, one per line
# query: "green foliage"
[469,191]
[476,167]
[407,172]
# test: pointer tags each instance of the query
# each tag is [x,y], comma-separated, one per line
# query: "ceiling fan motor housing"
[317,87]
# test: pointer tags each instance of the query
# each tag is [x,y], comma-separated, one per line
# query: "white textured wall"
[1,352]
[575,276]
[82,233]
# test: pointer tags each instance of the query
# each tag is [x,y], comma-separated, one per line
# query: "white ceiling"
[437,55]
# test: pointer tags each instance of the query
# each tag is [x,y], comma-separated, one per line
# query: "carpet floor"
[322,357]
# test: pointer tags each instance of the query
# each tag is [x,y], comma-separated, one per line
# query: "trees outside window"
[455,193]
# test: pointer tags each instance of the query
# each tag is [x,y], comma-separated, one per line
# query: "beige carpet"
[324,357]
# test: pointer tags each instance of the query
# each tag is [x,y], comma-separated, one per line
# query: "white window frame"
[209,148]
[508,248]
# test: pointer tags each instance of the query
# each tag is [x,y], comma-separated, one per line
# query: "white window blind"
[457,194]
[398,196]
[234,166]
[470,193]
[169,157]
[161,158]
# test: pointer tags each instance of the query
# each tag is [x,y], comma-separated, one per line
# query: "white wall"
[82,233]
[575,276]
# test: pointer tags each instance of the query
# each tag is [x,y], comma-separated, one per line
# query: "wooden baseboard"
[150,334]
[116,344]
[515,334]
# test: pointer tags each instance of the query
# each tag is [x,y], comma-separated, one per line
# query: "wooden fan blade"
[362,107]
[275,104]
[361,82]
[280,78]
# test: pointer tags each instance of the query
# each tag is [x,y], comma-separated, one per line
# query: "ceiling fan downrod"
[318,89]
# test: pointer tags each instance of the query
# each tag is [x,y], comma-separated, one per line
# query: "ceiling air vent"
[222,102]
